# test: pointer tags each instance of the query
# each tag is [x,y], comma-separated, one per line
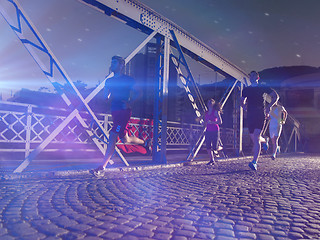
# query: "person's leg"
[211,154]
[113,137]
[276,141]
[125,138]
[215,144]
[273,135]
[256,124]
[255,137]
[275,147]
[209,147]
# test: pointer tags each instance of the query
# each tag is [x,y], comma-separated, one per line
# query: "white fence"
[24,126]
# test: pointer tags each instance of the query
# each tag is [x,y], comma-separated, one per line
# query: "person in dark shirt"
[212,120]
[119,90]
[254,100]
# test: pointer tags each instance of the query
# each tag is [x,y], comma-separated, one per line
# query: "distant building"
[143,68]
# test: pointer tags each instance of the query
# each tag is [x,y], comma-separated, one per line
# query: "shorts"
[275,130]
[120,121]
[256,120]
[212,138]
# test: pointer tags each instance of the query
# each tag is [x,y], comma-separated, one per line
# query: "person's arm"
[219,121]
[274,98]
[243,102]
[202,119]
[285,115]
[135,93]
[106,92]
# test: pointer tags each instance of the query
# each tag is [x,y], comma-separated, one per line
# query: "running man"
[278,117]
[253,100]
[119,90]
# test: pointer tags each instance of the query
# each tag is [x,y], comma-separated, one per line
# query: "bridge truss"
[142,18]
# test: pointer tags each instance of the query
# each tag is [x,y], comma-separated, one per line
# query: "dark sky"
[252,34]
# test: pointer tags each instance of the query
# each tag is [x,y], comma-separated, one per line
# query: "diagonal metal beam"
[189,77]
[139,16]
[54,65]
[75,112]
[34,46]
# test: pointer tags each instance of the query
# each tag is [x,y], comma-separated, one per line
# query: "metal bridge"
[37,131]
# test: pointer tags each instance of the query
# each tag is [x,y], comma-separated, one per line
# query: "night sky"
[252,34]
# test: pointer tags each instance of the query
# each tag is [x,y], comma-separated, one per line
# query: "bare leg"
[255,137]
[211,154]
[275,144]
[111,147]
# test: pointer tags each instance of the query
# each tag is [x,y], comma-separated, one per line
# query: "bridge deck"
[55,165]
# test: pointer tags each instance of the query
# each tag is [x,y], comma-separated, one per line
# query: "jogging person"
[212,120]
[119,90]
[253,100]
[278,117]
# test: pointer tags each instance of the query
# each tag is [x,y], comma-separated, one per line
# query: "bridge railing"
[291,140]
[24,126]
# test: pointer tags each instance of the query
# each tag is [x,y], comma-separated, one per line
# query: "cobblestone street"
[226,201]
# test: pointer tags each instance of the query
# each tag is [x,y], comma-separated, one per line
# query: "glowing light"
[267,14]
[298,55]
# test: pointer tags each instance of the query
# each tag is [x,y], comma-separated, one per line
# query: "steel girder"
[39,50]
[143,18]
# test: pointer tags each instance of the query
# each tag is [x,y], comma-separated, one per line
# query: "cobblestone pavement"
[227,201]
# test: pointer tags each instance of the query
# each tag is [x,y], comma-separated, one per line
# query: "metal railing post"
[28,130]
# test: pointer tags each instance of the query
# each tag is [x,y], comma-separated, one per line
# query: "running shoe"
[253,166]
[219,148]
[216,153]
[212,162]
[98,172]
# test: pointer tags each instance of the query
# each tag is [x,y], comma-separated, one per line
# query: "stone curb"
[66,173]
[34,175]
